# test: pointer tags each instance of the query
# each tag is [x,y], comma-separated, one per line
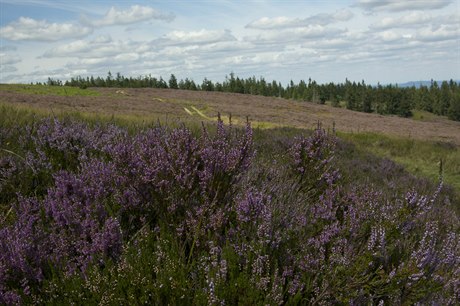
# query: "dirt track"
[146,102]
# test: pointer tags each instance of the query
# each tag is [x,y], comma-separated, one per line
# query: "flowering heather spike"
[377,239]
[251,207]
[438,190]
[450,250]
[80,226]
[426,255]
[23,250]
[9,297]
[312,157]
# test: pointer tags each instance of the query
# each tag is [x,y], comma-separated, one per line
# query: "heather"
[101,214]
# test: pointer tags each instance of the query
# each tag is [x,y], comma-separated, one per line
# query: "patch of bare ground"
[148,102]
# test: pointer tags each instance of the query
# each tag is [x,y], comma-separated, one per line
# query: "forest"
[440,99]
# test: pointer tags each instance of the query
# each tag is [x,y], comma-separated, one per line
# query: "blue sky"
[386,41]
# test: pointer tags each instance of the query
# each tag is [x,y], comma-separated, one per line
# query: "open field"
[145,104]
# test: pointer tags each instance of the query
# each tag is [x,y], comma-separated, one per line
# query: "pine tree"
[367,101]
[453,112]
[445,97]
[173,82]
[207,85]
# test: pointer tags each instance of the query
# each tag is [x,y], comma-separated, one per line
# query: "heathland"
[166,196]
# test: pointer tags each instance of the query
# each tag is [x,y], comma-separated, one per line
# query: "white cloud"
[175,43]
[450,19]
[40,75]
[196,45]
[227,46]
[70,49]
[412,19]
[398,5]
[7,69]
[9,59]
[323,19]
[41,30]
[178,50]
[134,14]
[7,48]
[273,23]
[101,46]
[446,20]
[204,52]
[126,57]
[389,36]
[335,43]
[197,37]
[119,59]
[295,35]
[441,33]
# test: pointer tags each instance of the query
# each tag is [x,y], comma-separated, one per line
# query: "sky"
[386,41]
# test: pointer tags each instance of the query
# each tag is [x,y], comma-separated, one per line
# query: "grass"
[421,158]
[420,115]
[48,90]
[200,115]
[12,115]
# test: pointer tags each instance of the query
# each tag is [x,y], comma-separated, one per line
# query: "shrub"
[163,216]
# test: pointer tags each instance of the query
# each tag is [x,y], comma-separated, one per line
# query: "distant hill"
[418,84]
[199,106]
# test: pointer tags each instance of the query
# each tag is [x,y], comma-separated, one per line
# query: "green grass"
[48,90]
[423,115]
[421,158]
[12,115]
[21,115]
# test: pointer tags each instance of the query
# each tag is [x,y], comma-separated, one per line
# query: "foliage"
[453,111]
[163,216]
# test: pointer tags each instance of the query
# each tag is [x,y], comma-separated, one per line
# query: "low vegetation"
[440,99]
[93,212]
[417,144]
[68,91]
[422,158]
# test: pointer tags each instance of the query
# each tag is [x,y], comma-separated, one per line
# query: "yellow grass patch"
[188,111]
[200,113]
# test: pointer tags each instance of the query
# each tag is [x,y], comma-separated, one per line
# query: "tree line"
[441,99]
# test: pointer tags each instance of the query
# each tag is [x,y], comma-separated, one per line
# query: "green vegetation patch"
[422,158]
[421,115]
[48,90]
[13,115]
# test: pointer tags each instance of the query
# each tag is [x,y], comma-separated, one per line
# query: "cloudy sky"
[386,41]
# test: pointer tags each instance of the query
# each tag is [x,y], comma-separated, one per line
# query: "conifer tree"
[173,82]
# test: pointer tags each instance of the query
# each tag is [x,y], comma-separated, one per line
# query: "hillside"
[417,143]
[146,103]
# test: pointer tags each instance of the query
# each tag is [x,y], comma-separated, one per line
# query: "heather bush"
[165,216]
